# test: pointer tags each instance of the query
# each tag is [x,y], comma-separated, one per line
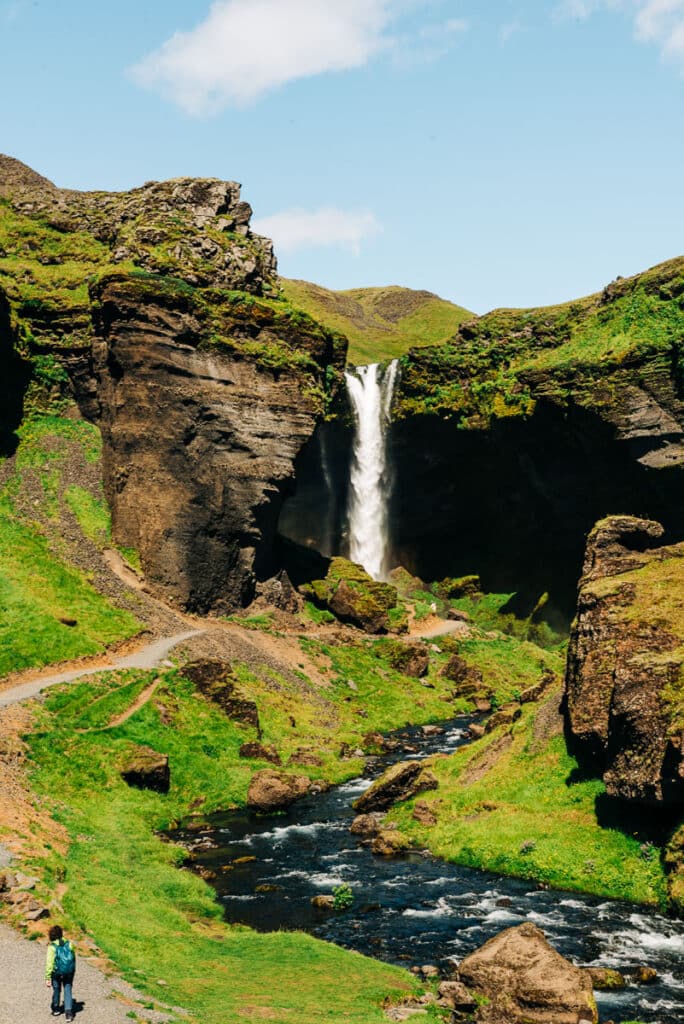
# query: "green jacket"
[50,958]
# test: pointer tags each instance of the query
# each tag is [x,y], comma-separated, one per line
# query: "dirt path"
[25,998]
[148,656]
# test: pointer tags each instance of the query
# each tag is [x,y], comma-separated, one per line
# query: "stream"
[415,909]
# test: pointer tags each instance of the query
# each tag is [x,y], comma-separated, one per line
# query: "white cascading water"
[370,392]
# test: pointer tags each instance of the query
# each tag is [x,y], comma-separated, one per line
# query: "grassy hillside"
[381,323]
[51,501]
[587,350]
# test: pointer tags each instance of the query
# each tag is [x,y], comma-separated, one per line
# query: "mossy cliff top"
[187,240]
[618,352]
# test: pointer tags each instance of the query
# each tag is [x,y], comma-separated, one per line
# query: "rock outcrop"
[624,689]
[400,782]
[525,981]
[158,311]
[145,768]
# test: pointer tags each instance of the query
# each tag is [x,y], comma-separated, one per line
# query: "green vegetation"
[581,351]
[124,886]
[512,807]
[380,323]
[50,611]
[343,897]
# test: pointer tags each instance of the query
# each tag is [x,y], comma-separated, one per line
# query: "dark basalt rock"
[215,681]
[145,768]
[624,689]
[400,782]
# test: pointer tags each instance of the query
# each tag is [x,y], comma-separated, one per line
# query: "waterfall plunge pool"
[416,909]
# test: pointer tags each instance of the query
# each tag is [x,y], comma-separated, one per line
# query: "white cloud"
[244,48]
[307,229]
[655,21]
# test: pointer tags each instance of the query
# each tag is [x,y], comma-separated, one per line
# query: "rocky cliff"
[157,311]
[625,695]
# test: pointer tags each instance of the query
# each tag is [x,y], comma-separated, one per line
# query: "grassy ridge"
[381,323]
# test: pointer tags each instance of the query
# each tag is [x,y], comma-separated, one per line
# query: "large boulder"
[145,768]
[400,782]
[526,981]
[411,658]
[353,596]
[468,679]
[271,790]
[624,680]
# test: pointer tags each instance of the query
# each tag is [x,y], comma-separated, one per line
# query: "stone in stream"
[389,842]
[367,825]
[400,782]
[605,979]
[526,980]
[645,975]
[270,790]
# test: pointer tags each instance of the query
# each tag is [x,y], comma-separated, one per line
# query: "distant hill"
[381,323]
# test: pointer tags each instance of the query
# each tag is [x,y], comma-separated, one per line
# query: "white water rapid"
[370,391]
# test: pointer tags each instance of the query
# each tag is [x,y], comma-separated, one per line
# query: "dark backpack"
[65,961]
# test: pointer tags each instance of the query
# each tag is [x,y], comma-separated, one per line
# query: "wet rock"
[476,731]
[430,971]
[323,902]
[506,716]
[400,782]
[456,996]
[645,975]
[270,790]
[145,768]
[526,980]
[605,979]
[424,814]
[389,842]
[260,752]
[367,825]
[432,730]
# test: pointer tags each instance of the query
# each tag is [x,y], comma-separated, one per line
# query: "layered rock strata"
[624,689]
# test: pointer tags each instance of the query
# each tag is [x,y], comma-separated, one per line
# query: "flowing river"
[416,909]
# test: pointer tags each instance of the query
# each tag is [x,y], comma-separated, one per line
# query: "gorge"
[484,530]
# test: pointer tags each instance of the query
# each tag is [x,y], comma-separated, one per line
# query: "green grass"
[38,587]
[36,590]
[524,817]
[380,323]
[124,886]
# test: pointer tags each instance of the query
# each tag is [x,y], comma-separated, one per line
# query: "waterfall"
[370,391]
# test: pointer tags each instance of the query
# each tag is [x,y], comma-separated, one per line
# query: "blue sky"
[517,152]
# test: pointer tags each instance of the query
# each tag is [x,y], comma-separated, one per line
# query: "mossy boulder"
[145,768]
[400,782]
[354,597]
[410,658]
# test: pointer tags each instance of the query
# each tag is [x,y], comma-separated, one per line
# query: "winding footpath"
[147,657]
[100,999]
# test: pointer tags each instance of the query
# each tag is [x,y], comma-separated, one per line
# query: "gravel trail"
[25,999]
[147,657]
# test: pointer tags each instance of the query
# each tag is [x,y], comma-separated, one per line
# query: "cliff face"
[199,444]
[157,311]
[624,687]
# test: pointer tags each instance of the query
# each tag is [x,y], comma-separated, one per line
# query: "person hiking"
[60,965]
